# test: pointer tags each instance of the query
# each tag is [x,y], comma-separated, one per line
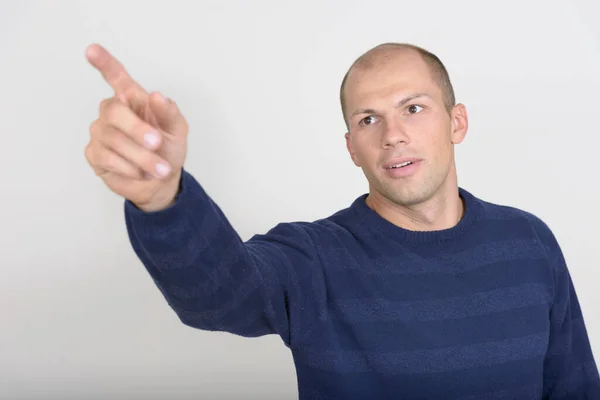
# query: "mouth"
[402,167]
[404,162]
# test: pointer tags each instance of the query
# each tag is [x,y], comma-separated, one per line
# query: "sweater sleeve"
[213,280]
[570,371]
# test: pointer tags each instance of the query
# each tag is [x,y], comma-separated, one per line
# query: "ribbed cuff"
[168,217]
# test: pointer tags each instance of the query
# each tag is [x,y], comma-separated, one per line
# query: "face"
[396,113]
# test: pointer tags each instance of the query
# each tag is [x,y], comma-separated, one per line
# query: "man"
[417,290]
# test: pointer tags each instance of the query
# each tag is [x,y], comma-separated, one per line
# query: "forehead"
[389,75]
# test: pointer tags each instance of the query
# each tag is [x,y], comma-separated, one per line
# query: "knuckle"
[99,172]
[110,111]
[91,154]
[112,139]
[94,128]
[109,161]
[104,136]
[88,152]
[102,133]
[130,92]
[103,105]
[139,129]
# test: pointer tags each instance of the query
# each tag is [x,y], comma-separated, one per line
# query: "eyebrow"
[400,104]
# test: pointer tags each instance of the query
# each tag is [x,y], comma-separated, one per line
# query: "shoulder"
[539,228]
[319,232]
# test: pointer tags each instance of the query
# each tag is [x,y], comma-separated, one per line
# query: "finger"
[168,115]
[103,105]
[118,142]
[114,73]
[104,161]
[120,116]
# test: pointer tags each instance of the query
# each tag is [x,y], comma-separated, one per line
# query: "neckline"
[375,222]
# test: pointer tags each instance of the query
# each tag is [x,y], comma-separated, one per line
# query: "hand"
[138,143]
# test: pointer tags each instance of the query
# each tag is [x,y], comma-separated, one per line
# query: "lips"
[400,162]
[402,168]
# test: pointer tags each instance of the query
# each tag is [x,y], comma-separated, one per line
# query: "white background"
[258,82]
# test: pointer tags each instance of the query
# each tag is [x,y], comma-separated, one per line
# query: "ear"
[460,123]
[351,149]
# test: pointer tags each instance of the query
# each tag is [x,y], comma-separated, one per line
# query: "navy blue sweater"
[483,310]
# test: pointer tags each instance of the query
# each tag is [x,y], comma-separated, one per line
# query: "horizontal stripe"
[426,361]
[398,287]
[410,263]
[513,380]
[370,309]
[397,337]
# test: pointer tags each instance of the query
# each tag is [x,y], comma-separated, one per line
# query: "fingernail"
[164,98]
[151,139]
[162,169]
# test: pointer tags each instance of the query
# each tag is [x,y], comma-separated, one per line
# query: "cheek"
[439,139]
[364,149]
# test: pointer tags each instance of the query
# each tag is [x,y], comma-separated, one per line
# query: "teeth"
[404,164]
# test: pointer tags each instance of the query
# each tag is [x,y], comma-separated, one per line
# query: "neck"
[442,211]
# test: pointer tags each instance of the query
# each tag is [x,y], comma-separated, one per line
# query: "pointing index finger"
[113,71]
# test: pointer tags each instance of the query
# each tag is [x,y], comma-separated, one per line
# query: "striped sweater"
[483,310]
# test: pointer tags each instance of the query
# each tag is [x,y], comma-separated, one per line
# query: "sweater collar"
[376,223]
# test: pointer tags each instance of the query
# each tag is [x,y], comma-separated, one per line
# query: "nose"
[394,133]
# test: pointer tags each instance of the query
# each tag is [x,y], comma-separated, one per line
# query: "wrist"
[165,197]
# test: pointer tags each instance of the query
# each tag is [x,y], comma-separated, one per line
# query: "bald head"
[385,53]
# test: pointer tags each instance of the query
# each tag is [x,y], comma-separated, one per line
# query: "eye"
[367,120]
[414,109]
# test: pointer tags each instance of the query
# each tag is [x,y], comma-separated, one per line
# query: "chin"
[407,199]
[408,194]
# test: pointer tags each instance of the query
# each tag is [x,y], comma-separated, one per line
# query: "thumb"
[167,114]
